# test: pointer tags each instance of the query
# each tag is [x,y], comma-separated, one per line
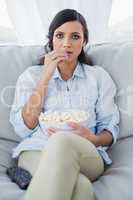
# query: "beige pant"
[64,170]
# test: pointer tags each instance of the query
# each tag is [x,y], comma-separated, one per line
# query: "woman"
[64,165]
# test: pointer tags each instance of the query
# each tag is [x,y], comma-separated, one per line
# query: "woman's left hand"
[84,132]
[80,130]
[77,129]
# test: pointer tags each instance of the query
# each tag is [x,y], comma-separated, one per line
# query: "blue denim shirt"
[90,89]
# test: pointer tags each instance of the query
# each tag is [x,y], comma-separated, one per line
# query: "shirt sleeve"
[24,88]
[107,113]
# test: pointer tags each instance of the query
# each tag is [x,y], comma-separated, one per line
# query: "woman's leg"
[83,189]
[29,160]
[66,156]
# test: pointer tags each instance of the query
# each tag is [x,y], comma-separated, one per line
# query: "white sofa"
[116,183]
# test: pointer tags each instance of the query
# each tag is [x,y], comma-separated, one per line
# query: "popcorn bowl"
[59,119]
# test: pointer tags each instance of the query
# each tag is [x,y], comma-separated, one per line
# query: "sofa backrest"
[115,58]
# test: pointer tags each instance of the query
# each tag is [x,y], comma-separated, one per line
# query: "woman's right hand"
[51,61]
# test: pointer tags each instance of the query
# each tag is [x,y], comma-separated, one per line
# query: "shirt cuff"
[114,130]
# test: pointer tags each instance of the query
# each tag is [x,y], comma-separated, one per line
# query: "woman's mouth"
[68,53]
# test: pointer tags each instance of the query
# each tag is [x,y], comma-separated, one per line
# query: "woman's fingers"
[56,54]
[51,62]
[50,131]
[53,130]
[59,51]
[60,59]
[74,125]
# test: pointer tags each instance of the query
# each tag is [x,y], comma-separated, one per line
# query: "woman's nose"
[67,42]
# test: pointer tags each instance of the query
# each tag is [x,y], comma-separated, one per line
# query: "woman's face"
[70,38]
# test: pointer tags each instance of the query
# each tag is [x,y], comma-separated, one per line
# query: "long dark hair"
[60,18]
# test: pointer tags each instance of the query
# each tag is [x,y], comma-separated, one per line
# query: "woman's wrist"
[44,81]
[93,138]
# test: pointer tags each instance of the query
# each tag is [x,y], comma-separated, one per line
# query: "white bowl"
[59,119]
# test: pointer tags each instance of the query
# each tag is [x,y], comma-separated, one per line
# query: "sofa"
[117,180]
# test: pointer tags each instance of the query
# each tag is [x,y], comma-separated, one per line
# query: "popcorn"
[59,119]
[63,117]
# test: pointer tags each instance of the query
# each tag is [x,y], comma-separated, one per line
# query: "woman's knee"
[60,147]
[60,141]
[83,189]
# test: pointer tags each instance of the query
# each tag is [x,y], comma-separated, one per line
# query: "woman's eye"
[59,35]
[75,37]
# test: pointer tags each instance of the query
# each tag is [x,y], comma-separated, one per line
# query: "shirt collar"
[77,72]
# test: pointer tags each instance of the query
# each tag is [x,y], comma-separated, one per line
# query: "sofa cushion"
[116,182]
[10,190]
[6,147]
[13,61]
[117,59]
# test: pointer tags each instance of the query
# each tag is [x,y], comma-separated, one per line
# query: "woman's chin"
[65,61]
[69,59]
